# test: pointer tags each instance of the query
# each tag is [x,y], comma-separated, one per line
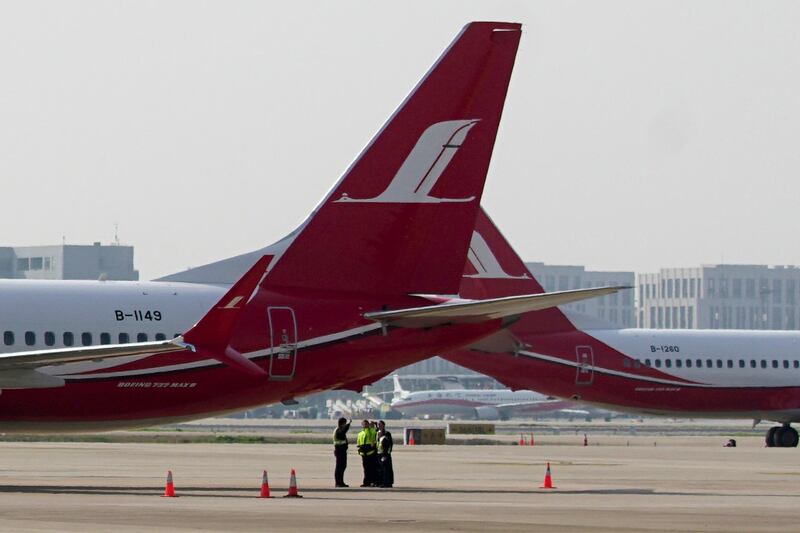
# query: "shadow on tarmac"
[277,492]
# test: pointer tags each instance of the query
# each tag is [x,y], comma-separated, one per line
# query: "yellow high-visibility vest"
[364,438]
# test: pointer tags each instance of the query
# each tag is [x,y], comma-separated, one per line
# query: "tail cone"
[292,487]
[548,480]
[265,486]
[169,488]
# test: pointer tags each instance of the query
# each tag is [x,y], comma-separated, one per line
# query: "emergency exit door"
[585,368]
[283,342]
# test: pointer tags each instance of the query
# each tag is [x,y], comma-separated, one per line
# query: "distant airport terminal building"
[617,309]
[68,261]
[720,297]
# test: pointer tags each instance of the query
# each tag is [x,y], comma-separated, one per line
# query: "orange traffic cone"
[292,487]
[265,486]
[169,488]
[531,443]
[521,440]
[548,480]
[411,438]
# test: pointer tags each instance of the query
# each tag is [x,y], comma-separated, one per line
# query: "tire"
[786,438]
[770,438]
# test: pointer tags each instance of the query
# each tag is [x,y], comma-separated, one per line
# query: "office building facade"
[617,309]
[720,297]
[68,261]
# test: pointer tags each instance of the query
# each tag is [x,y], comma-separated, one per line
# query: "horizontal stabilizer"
[471,311]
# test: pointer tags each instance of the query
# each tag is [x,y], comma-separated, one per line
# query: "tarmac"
[616,483]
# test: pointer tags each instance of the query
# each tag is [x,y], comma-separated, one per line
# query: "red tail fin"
[400,219]
[494,270]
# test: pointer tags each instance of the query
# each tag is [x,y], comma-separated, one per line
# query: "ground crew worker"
[368,453]
[376,465]
[340,451]
[385,445]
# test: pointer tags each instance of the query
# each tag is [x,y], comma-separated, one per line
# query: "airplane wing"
[461,311]
[18,370]
[209,338]
[374,399]
[536,406]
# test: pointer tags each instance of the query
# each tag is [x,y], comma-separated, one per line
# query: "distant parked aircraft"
[473,403]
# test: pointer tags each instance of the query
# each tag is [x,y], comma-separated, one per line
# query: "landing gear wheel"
[786,437]
[770,439]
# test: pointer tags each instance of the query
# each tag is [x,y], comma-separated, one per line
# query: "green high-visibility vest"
[365,445]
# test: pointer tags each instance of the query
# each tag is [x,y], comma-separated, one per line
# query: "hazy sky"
[636,135]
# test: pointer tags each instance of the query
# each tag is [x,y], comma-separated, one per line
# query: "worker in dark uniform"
[366,444]
[385,445]
[340,451]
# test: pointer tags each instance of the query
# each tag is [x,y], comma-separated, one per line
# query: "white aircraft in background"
[671,372]
[482,404]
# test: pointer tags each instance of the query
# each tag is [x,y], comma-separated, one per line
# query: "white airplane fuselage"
[39,315]
[468,403]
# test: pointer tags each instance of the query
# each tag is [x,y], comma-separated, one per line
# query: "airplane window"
[774,363]
[69,338]
[763,363]
[658,363]
[719,363]
[86,338]
[141,337]
[678,363]
[637,364]
[647,362]
[730,363]
[699,363]
[688,363]
[797,364]
[8,338]
[161,337]
[710,363]
[752,363]
[626,363]
[124,338]
[105,338]
[668,363]
[785,363]
[30,338]
[49,338]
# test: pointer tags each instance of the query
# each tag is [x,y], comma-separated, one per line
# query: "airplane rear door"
[283,341]
[585,368]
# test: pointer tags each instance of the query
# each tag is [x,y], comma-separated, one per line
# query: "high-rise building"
[720,297]
[68,261]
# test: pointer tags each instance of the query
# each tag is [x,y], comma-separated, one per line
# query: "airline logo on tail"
[484,262]
[424,166]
